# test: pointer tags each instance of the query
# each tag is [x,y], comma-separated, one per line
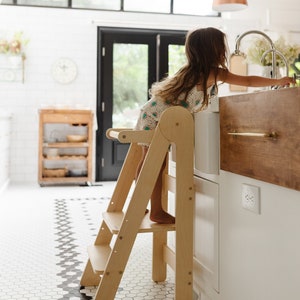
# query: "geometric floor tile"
[131,287]
[44,234]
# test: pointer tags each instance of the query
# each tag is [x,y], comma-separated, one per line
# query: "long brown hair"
[206,50]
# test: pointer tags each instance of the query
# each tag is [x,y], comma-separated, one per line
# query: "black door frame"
[158,67]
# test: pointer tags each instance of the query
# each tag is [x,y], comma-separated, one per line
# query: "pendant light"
[229,5]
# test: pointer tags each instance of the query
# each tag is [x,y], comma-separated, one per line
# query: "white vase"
[15,61]
[3,60]
[268,70]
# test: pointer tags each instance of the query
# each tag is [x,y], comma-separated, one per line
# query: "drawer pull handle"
[273,134]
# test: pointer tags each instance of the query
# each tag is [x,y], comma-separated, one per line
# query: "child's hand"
[286,81]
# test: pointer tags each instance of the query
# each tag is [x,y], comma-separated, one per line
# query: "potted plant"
[14,48]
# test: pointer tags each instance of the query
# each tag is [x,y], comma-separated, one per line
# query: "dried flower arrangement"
[15,46]
[261,45]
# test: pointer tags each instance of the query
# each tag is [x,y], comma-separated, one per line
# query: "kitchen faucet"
[276,52]
[273,51]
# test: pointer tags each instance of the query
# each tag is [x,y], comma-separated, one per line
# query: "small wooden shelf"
[76,157]
[73,157]
[63,180]
[66,145]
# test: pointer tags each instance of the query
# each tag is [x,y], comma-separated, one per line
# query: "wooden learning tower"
[107,256]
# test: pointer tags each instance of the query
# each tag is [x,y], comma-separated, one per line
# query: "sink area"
[274,52]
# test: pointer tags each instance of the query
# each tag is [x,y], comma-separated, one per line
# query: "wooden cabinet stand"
[65,146]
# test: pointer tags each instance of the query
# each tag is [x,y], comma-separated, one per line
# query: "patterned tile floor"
[44,234]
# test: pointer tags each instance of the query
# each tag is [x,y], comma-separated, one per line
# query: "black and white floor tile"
[44,233]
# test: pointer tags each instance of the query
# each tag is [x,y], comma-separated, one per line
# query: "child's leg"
[157,213]
[139,166]
[138,169]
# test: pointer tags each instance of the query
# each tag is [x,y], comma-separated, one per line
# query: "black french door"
[129,61]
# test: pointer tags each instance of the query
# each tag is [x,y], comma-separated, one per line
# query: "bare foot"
[162,217]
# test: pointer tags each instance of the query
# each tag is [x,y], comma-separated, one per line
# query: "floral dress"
[152,109]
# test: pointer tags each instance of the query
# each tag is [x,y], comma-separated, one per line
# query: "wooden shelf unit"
[73,157]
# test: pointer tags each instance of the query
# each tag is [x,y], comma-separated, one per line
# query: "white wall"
[55,33]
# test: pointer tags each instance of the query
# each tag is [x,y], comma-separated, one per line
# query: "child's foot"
[162,217]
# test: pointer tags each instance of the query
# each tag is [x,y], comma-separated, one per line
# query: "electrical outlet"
[251,198]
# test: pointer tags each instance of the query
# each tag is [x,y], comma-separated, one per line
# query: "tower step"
[99,255]
[114,221]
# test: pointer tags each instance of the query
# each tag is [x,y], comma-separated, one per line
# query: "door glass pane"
[176,57]
[130,83]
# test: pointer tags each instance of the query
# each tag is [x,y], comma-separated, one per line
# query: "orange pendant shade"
[229,5]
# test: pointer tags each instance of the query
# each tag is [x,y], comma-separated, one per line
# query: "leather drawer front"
[275,158]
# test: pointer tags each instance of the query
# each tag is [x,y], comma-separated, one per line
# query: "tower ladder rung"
[99,255]
[114,222]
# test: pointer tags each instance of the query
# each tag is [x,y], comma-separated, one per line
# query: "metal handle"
[272,134]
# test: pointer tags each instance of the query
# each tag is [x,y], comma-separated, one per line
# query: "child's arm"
[254,81]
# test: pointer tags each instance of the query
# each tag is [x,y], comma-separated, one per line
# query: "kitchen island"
[256,252]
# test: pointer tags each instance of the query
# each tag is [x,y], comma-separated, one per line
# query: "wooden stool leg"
[178,127]
[159,266]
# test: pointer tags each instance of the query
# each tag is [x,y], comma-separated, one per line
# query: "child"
[190,87]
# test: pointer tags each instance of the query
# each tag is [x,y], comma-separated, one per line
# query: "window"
[182,7]
[56,3]
[193,7]
[158,6]
[97,4]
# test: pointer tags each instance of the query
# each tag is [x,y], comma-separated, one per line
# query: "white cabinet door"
[206,236]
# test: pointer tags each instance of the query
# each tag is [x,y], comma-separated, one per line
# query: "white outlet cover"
[251,198]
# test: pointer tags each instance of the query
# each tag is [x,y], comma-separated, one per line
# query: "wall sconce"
[229,5]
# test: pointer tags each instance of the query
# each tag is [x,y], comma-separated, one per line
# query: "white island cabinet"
[259,249]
